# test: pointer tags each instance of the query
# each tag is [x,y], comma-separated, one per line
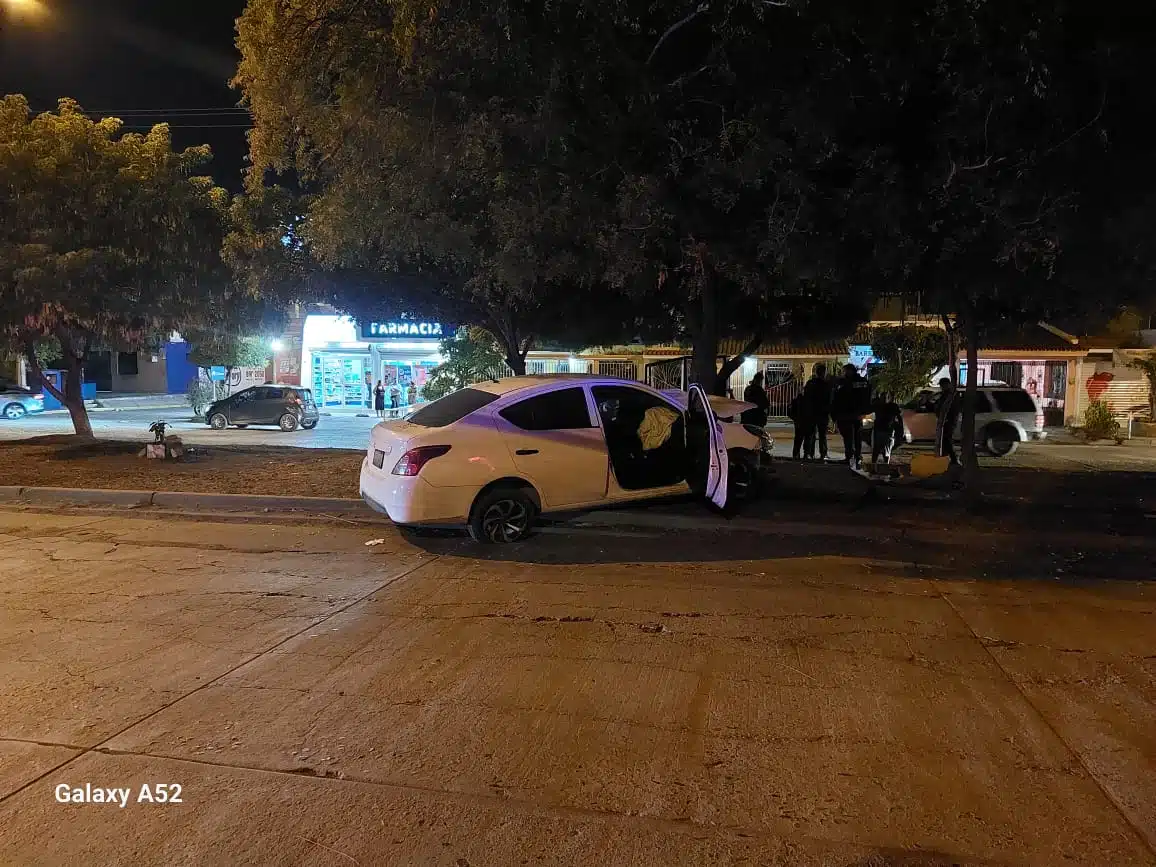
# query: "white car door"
[556,446]
[706,448]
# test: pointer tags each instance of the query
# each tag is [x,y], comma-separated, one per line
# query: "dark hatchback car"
[286,406]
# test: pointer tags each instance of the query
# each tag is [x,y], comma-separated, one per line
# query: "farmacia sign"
[402,329]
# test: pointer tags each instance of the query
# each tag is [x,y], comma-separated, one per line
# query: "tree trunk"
[704,354]
[517,362]
[970,457]
[73,399]
[733,364]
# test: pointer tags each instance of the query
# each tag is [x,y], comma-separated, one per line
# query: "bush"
[1098,422]
[200,394]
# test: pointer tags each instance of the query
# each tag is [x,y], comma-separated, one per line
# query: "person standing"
[800,413]
[756,393]
[849,403]
[817,398]
[947,417]
[411,394]
[379,399]
[887,430]
[394,400]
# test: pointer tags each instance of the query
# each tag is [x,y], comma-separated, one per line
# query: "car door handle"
[526,452]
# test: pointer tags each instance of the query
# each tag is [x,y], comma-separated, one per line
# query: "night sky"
[145,61]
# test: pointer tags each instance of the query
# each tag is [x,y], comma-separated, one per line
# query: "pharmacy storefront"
[342,359]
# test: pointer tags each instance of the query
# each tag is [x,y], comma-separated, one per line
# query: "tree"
[105,239]
[471,355]
[910,355]
[729,137]
[1003,129]
[227,350]
[431,155]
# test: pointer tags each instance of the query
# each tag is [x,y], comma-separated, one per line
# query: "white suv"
[1004,418]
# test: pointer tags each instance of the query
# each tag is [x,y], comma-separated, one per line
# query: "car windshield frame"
[452,408]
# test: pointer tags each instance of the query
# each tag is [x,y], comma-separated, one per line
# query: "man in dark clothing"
[800,413]
[850,402]
[817,399]
[756,394]
[947,417]
[887,430]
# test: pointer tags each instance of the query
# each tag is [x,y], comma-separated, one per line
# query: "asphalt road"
[336,431]
[610,698]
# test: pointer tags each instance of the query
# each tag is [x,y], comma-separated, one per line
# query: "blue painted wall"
[178,371]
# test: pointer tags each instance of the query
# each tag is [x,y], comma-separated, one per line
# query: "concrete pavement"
[583,698]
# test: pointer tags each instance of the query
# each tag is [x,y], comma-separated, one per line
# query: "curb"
[178,499]
[625,519]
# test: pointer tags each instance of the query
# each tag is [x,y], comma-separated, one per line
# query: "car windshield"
[454,406]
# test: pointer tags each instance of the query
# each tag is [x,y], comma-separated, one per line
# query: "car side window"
[564,409]
[272,394]
[982,404]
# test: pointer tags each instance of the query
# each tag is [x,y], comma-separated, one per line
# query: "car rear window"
[454,406]
[1014,401]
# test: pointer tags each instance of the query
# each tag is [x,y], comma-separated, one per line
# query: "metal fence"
[619,369]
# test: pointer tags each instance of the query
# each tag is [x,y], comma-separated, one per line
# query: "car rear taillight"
[1039,420]
[413,460]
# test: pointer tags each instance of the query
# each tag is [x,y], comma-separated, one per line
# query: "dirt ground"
[68,462]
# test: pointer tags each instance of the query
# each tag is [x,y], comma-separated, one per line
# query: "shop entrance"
[405,381]
[340,380]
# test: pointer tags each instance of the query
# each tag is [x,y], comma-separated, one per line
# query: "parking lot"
[586,697]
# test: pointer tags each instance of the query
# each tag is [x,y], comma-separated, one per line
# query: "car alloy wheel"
[505,521]
[218,421]
[288,422]
[15,411]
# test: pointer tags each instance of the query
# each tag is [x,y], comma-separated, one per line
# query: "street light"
[18,9]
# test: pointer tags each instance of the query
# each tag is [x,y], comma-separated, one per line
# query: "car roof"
[519,383]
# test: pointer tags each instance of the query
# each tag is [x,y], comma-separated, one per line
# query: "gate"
[669,375]
[783,384]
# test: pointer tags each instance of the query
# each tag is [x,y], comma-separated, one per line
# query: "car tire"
[502,515]
[1001,440]
[15,411]
[742,477]
[308,425]
[287,422]
[217,421]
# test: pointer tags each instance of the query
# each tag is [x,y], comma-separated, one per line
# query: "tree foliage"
[910,355]
[471,355]
[105,239]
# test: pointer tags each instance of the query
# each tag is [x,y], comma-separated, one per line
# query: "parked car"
[17,401]
[1004,418]
[494,456]
[286,406]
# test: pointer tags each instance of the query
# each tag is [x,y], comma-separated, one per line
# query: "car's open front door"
[706,449]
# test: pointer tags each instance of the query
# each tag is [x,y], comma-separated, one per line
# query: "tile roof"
[786,349]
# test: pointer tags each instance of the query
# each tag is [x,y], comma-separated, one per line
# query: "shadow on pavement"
[981,558]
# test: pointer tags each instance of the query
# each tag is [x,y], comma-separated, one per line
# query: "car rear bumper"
[412,500]
[1037,435]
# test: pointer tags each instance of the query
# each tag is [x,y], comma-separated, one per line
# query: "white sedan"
[495,455]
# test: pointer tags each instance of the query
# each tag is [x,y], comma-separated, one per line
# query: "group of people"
[379,394]
[847,401]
